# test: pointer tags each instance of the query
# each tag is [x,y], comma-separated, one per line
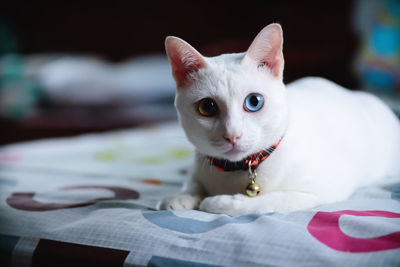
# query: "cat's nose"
[232,138]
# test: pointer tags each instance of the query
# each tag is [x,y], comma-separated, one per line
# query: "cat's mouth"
[234,153]
[233,149]
[231,152]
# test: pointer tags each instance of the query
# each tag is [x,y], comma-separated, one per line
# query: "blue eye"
[253,102]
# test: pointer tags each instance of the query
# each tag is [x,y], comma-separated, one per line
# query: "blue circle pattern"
[395,192]
[168,220]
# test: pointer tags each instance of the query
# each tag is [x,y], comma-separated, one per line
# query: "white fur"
[334,139]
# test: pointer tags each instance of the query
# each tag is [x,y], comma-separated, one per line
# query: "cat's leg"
[190,199]
[285,201]
[180,202]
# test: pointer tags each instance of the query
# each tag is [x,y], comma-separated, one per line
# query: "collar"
[254,159]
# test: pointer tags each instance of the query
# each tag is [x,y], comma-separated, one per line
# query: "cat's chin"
[234,154]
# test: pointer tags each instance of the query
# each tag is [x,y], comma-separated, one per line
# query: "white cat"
[235,105]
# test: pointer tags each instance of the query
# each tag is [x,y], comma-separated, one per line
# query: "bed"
[91,200]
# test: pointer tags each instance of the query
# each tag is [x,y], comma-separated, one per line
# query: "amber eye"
[207,107]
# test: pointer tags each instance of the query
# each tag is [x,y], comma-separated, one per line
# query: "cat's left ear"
[266,50]
[184,59]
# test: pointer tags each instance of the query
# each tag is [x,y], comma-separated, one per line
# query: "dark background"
[319,40]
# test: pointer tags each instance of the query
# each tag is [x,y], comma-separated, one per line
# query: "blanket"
[91,200]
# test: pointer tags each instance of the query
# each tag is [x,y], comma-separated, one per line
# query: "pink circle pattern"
[25,200]
[324,227]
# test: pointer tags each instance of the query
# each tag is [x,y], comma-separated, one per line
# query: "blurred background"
[71,68]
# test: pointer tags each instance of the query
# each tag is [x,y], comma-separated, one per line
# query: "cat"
[312,142]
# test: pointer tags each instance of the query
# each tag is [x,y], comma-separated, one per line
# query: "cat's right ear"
[184,59]
[266,50]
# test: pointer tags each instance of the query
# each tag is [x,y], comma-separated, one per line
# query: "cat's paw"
[232,205]
[180,202]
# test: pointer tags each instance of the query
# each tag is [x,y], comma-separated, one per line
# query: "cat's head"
[232,105]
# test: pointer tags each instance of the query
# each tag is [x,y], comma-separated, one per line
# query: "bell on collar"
[253,189]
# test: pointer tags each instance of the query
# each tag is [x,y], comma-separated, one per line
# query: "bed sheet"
[91,201]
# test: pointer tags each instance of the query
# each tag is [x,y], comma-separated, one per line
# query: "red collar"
[256,159]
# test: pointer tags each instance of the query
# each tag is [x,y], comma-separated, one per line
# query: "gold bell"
[253,189]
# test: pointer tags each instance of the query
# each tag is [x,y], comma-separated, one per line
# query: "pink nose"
[232,138]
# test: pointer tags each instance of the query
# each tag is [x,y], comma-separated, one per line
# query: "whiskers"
[205,163]
[220,146]
[217,143]
[269,150]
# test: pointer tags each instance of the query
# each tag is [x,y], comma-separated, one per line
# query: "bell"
[253,189]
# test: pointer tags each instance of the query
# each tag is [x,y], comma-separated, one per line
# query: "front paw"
[232,205]
[180,202]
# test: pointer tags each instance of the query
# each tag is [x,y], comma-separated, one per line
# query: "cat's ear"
[266,50]
[184,59]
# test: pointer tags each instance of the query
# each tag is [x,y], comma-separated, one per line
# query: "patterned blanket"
[90,201]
